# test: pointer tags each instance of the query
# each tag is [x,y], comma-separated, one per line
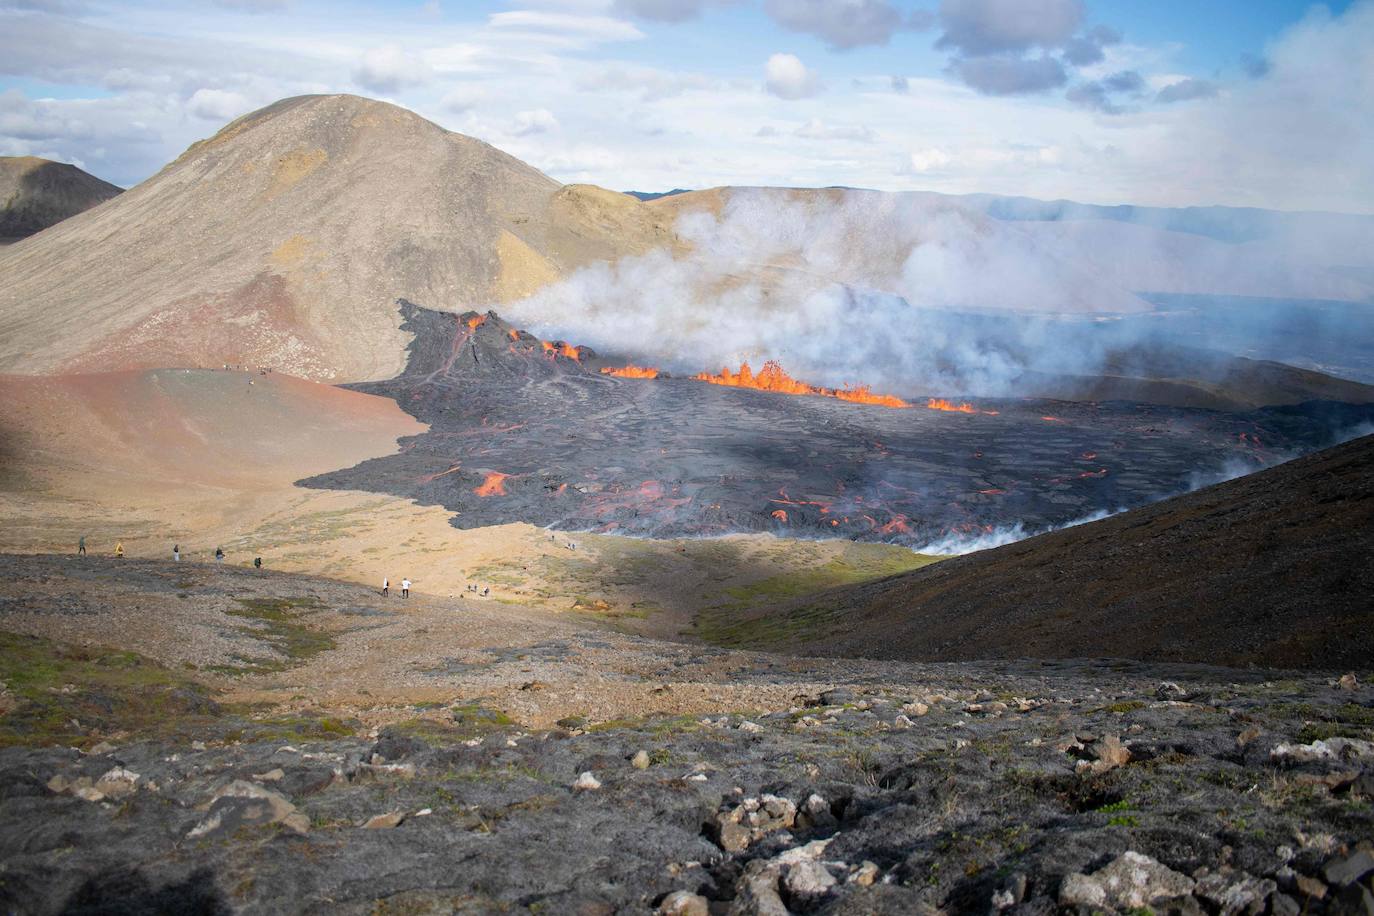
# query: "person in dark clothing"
[257,562]
[81,546]
[219,554]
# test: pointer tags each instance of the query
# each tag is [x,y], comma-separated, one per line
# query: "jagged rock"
[385,821]
[1284,905]
[807,880]
[1235,893]
[586,782]
[815,813]
[104,747]
[1110,754]
[640,761]
[1348,682]
[272,775]
[1248,736]
[117,783]
[1354,900]
[1351,868]
[864,875]
[1310,887]
[916,708]
[88,793]
[732,836]
[756,894]
[1330,749]
[241,804]
[1129,881]
[684,903]
[752,728]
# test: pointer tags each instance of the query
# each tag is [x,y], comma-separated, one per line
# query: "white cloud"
[816,129]
[535,121]
[788,78]
[218,105]
[929,159]
[842,24]
[388,68]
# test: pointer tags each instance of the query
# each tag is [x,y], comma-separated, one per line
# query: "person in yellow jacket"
[119,550]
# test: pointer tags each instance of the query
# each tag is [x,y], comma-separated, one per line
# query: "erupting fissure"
[772,377]
[630,372]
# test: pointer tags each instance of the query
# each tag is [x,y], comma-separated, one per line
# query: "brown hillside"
[286,238]
[1271,569]
[38,193]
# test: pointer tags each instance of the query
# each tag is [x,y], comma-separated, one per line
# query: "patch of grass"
[74,695]
[739,623]
[1126,706]
[281,623]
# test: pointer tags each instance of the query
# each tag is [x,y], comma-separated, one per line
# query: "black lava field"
[533,431]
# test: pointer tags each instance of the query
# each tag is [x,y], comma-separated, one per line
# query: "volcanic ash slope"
[284,239]
[1271,569]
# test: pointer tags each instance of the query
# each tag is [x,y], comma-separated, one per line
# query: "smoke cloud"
[919,293]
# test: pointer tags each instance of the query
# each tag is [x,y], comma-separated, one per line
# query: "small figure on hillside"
[405,588]
[81,546]
[486,592]
[386,586]
[176,553]
[219,554]
[257,562]
[119,550]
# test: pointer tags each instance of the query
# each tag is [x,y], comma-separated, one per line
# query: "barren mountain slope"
[37,193]
[284,240]
[1270,569]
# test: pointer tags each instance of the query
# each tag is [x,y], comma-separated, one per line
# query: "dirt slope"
[284,240]
[1271,569]
[38,193]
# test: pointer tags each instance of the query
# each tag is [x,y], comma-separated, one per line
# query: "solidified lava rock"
[530,430]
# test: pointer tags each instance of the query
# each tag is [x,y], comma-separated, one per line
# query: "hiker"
[405,588]
[386,586]
[119,550]
[176,553]
[219,554]
[257,562]
[81,546]
[486,592]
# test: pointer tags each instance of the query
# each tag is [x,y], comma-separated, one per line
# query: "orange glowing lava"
[476,321]
[772,378]
[780,515]
[630,372]
[562,348]
[950,406]
[513,334]
[494,485]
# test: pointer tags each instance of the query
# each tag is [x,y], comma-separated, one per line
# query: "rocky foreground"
[878,787]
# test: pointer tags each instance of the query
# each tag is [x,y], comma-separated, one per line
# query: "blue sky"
[1260,103]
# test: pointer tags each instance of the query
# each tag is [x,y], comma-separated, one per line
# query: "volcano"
[526,429]
[295,228]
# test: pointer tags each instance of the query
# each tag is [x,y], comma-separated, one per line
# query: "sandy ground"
[205,459]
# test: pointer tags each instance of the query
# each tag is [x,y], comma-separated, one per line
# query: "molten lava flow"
[780,515]
[562,348]
[494,485]
[950,406]
[630,372]
[513,334]
[476,321]
[772,377]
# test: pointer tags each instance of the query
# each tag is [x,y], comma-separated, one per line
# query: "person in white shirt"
[405,588]
[386,586]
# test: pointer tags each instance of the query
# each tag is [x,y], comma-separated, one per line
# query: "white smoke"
[956,544]
[860,286]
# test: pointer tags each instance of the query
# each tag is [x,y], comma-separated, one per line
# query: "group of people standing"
[386,587]
[176,552]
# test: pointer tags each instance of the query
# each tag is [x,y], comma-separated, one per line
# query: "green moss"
[72,695]
[282,624]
